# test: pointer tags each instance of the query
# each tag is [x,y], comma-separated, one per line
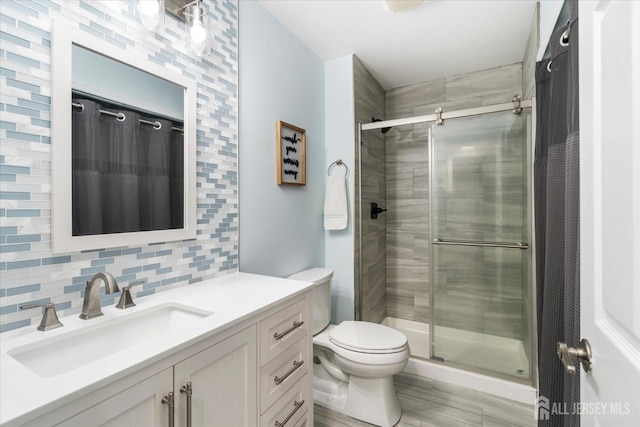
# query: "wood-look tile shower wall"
[370,297]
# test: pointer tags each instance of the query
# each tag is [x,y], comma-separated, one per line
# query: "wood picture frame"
[291,148]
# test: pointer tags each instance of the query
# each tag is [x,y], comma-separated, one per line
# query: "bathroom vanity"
[230,351]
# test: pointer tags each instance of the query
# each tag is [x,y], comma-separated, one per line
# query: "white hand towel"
[335,203]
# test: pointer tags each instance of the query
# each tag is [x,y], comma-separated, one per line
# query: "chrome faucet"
[91,306]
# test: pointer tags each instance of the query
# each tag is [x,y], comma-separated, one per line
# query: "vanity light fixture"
[197,28]
[151,14]
[189,11]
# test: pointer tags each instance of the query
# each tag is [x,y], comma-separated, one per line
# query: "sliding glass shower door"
[480,263]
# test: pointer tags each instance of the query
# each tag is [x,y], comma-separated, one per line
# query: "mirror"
[123,147]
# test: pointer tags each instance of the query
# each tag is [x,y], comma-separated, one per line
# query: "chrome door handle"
[186,389]
[569,355]
[296,325]
[168,400]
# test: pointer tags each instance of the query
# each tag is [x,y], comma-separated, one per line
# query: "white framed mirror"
[123,147]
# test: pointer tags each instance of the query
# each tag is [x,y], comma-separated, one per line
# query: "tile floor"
[429,403]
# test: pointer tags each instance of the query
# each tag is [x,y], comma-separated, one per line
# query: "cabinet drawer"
[303,421]
[292,407]
[277,376]
[282,329]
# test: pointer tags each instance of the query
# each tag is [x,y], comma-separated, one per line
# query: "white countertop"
[232,299]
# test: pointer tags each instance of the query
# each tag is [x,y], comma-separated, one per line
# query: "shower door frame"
[487,109]
[445,115]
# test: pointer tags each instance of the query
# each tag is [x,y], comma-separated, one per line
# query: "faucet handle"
[49,316]
[126,300]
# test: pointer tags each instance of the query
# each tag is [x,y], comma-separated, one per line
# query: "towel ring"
[338,162]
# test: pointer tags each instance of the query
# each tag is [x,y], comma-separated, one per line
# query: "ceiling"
[435,39]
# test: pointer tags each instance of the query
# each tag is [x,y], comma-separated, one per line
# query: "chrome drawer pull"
[297,406]
[168,400]
[296,365]
[291,329]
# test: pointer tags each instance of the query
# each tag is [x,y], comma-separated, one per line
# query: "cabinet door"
[140,405]
[223,383]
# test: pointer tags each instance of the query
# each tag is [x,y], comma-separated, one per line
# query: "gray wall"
[407,176]
[282,228]
[370,292]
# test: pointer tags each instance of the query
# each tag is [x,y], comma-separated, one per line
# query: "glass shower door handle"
[569,355]
[515,245]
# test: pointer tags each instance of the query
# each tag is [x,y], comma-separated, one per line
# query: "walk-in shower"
[458,247]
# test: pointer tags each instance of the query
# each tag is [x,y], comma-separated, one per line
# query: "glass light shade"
[151,13]
[197,30]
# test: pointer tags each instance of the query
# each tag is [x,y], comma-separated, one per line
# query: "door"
[480,257]
[140,405]
[223,382]
[610,209]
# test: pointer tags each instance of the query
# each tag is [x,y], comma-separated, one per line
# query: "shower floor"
[487,352]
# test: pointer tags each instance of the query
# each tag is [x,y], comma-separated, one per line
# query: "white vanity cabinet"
[285,360]
[140,405]
[223,383]
[255,372]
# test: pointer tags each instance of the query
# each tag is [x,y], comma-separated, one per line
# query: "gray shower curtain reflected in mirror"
[126,176]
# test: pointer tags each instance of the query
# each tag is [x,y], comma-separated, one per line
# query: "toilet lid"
[368,337]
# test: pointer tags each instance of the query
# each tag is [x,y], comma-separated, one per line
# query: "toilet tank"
[321,308]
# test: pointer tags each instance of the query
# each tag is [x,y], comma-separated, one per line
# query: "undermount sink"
[62,353]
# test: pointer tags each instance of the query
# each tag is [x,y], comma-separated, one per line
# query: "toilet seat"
[367,337]
[359,355]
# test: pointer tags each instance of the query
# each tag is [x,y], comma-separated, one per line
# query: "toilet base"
[328,391]
[373,400]
[366,399]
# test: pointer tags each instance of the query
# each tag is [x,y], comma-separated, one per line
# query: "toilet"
[354,362]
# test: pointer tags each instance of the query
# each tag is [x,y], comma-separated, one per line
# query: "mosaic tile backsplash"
[29,272]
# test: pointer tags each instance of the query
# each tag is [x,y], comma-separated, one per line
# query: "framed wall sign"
[291,144]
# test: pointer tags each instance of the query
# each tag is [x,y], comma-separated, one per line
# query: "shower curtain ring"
[121,117]
[157,125]
[564,39]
